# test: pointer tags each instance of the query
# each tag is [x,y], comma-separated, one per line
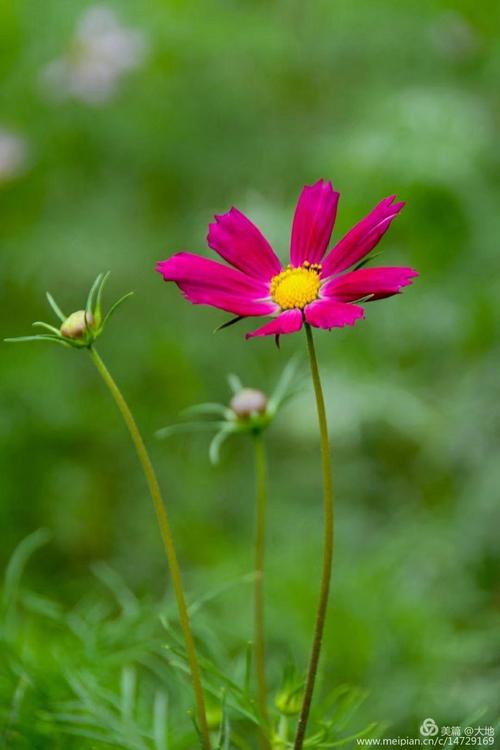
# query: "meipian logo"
[428,728]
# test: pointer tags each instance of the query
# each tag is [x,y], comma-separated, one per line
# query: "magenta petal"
[206,282]
[330,314]
[289,321]
[313,223]
[376,282]
[239,242]
[362,238]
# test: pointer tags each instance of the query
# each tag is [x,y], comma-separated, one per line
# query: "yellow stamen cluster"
[296,287]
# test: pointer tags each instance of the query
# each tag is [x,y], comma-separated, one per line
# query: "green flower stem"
[327,549]
[168,542]
[260,535]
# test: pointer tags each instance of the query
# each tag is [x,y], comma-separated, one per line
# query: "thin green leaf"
[366,260]
[284,383]
[210,595]
[197,729]
[22,686]
[115,583]
[41,337]
[217,442]
[114,307]
[55,307]
[93,735]
[366,298]
[351,738]
[175,429]
[240,742]
[235,383]
[240,704]
[90,299]
[98,306]
[247,681]
[128,688]
[344,701]
[273,407]
[18,561]
[160,721]
[246,707]
[52,329]
[41,605]
[223,739]
[208,408]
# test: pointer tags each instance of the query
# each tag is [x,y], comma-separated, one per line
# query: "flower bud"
[214,717]
[248,401]
[289,702]
[77,324]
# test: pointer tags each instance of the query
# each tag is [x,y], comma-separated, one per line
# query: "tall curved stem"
[260,536]
[168,542]
[328,506]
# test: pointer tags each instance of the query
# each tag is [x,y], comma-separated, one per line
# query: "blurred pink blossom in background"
[101,52]
[13,155]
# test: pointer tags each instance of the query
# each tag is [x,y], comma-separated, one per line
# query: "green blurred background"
[120,137]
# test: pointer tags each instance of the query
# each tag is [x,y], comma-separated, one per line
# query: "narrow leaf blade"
[114,307]
[55,307]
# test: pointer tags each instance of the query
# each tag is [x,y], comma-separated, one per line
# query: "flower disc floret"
[296,287]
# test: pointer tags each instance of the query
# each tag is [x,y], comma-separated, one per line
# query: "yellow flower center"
[296,287]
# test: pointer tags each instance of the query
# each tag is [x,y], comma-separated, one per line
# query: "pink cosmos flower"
[316,288]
